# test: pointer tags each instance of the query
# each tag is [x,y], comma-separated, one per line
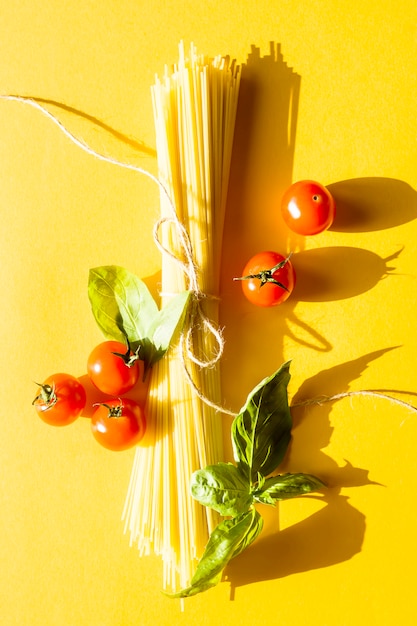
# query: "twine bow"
[197,317]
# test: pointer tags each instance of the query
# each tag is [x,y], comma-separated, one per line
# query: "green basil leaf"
[122,304]
[168,320]
[261,431]
[123,307]
[223,488]
[287,486]
[193,590]
[227,540]
[251,534]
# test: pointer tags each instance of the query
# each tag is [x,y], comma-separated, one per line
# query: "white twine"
[78,142]
[189,268]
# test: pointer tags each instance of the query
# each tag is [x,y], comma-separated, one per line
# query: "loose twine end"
[320,400]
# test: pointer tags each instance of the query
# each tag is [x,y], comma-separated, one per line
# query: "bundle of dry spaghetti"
[194,110]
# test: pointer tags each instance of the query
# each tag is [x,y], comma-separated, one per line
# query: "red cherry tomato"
[308,208]
[60,400]
[113,369]
[118,424]
[268,279]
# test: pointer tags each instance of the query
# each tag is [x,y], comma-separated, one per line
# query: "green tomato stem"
[46,396]
[267,275]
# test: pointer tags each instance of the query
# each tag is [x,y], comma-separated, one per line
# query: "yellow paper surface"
[345,559]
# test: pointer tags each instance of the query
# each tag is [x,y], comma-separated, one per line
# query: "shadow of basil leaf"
[337,273]
[373,203]
[332,535]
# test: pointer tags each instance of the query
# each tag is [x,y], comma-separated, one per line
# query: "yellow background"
[347,559]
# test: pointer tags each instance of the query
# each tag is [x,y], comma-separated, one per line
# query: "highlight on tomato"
[268,279]
[308,208]
[113,368]
[60,400]
[118,424]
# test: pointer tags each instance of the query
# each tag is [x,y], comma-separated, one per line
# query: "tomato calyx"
[46,397]
[114,412]
[129,357]
[267,275]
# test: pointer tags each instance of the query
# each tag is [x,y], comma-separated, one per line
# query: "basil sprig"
[261,433]
[125,311]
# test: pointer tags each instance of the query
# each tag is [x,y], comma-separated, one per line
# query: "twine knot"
[197,316]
